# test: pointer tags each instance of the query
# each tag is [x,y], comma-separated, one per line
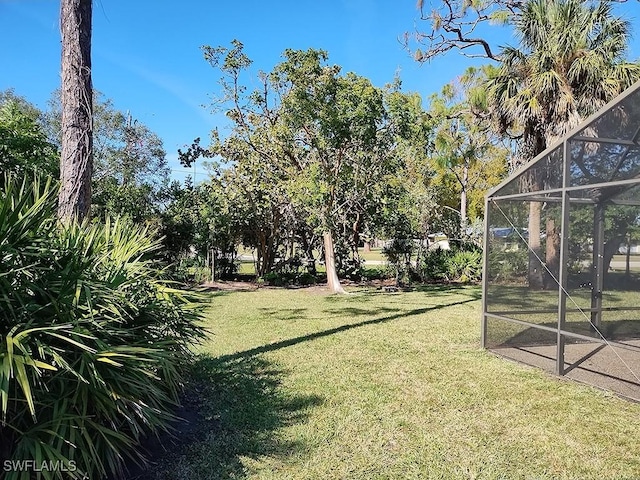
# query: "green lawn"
[295,384]
[375,254]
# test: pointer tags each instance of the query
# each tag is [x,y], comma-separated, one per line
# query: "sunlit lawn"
[296,384]
[374,254]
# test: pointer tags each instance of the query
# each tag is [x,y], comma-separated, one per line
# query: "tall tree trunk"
[610,249]
[333,282]
[261,254]
[552,256]
[76,160]
[213,253]
[627,263]
[355,239]
[535,251]
[463,200]
[535,183]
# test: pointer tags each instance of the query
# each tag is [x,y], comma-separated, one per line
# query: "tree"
[258,159]
[74,201]
[338,125]
[24,147]
[456,25]
[199,224]
[464,146]
[408,208]
[570,61]
[266,214]
[9,96]
[130,170]
[316,139]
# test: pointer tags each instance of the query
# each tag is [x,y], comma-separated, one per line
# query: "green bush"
[508,265]
[398,253]
[92,338]
[465,266]
[460,264]
[281,279]
[376,273]
[434,265]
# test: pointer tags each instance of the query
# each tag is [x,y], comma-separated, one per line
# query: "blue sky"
[147,57]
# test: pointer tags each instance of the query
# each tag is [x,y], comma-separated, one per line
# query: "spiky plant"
[91,339]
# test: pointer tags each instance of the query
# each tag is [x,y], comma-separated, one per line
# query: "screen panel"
[612,367]
[545,174]
[620,122]
[594,163]
[523,259]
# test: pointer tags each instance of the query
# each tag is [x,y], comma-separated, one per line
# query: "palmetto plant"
[91,338]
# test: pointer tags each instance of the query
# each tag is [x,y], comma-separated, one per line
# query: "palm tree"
[570,61]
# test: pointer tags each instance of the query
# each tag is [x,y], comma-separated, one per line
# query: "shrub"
[281,279]
[398,253]
[434,265]
[463,263]
[376,273]
[91,338]
[465,266]
[508,265]
[348,264]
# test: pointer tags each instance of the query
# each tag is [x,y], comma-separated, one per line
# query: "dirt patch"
[237,286]
[230,286]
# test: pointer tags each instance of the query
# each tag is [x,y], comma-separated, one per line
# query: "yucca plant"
[92,339]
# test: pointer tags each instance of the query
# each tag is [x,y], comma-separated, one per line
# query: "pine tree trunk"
[333,282]
[212,254]
[76,160]
[463,201]
[535,251]
[552,257]
[627,263]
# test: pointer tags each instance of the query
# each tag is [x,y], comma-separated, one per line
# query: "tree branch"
[452,26]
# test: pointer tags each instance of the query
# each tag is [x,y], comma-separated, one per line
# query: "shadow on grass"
[284,313]
[343,328]
[447,288]
[353,311]
[231,410]
[432,289]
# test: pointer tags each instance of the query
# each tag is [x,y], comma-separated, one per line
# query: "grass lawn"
[375,254]
[296,384]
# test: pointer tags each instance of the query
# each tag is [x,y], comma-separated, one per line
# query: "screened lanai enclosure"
[562,255]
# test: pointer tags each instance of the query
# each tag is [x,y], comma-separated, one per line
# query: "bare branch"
[452,25]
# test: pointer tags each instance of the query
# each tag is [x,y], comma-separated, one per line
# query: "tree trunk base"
[333,282]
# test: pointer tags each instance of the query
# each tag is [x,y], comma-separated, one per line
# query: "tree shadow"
[284,313]
[444,288]
[432,289]
[342,328]
[357,312]
[232,409]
